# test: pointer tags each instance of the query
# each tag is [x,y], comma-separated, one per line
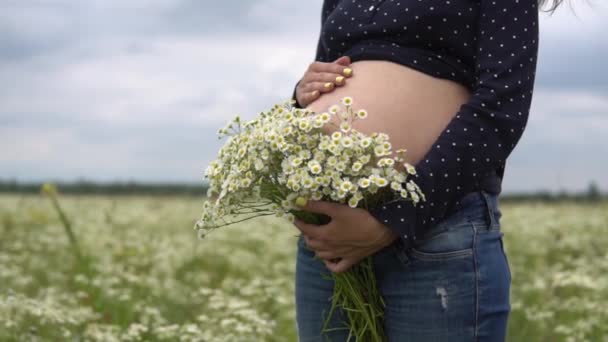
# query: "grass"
[144,276]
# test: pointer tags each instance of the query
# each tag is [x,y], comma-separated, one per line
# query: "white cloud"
[137,89]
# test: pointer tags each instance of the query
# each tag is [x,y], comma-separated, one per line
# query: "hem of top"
[437,67]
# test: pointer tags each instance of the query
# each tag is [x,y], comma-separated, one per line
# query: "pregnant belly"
[411,107]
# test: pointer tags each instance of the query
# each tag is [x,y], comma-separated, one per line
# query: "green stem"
[67,225]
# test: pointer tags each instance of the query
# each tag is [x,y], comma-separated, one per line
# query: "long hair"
[553,4]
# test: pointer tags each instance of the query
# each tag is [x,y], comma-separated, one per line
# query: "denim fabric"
[452,285]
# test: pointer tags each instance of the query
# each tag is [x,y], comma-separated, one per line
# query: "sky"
[110,90]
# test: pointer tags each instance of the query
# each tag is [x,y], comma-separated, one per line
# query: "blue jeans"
[453,285]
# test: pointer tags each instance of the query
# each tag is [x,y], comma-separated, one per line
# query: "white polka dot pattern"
[490,46]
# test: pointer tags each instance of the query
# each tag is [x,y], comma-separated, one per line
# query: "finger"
[328,263]
[310,96]
[343,60]
[341,266]
[323,87]
[330,67]
[330,209]
[316,86]
[310,230]
[327,255]
[317,245]
[324,77]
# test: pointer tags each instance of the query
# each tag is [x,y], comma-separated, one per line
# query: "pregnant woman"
[451,81]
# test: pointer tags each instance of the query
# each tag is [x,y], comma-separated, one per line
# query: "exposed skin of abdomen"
[413,108]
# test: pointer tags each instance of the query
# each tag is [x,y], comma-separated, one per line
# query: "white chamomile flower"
[258,164]
[381,181]
[365,142]
[242,152]
[396,186]
[305,154]
[345,127]
[340,166]
[317,196]
[410,187]
[347,142]
[296,162]
[403,193]
[364,183]
[307,182]
[320,156]
[384,162]
[410,168]
[379,151]
[347,100]
[325,181]
[271,136]
[336,136]
[415,197]
[332,149]
[346,186]
[362,114]
[245,182]
[325,117]
[317,123]
[353,202]
[314,167]
[304,125]
[357,166]
[334,109]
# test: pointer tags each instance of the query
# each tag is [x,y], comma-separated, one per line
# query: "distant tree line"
[592,193]
[107,188]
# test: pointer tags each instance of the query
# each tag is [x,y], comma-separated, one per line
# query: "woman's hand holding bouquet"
[350,236]
[281,163]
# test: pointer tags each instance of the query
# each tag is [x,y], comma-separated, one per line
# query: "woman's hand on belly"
[411,107]
[350,236]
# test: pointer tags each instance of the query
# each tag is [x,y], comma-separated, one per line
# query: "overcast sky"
[136,90]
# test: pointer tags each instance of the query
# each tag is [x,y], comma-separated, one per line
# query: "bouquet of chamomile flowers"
[273,164]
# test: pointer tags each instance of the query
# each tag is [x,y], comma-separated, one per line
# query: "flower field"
[142,275]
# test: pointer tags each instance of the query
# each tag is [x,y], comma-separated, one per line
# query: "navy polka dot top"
[489,46]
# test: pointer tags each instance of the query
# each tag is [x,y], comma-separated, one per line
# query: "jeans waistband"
[480,207]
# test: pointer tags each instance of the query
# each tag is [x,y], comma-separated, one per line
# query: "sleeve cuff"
[400,217]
